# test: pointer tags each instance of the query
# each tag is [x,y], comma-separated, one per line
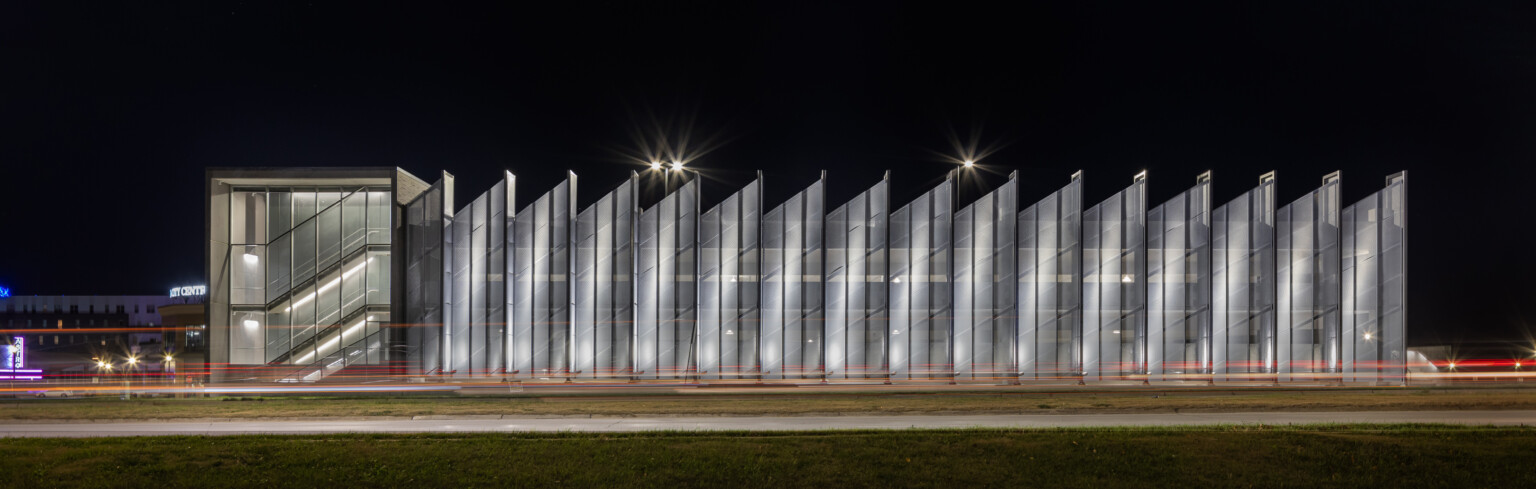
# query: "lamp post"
[130,365]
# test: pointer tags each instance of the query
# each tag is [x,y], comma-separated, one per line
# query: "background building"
[68,337]
[315,271]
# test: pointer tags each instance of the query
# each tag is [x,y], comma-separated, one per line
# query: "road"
[484,424]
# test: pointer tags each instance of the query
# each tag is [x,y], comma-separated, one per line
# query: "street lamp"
[655,165]
[968,163]
[133,361]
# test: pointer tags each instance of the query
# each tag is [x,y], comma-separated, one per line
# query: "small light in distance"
[1367,336]
[655,165]
[677,166]
[968,163]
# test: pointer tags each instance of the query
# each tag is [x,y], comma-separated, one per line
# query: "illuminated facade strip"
[936,290]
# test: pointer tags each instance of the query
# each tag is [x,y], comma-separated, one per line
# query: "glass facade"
[304,279]
[1179,284]
[857,296]
[1243,285]
[1115,286]
[1050,286]
[295,298]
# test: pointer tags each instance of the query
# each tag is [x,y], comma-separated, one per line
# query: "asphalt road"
[483,424]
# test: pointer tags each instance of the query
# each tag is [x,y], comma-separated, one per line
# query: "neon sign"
[15,353]
[4,292]
[189,291]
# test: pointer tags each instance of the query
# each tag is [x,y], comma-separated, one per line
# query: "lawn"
[1298,456]
[782,404]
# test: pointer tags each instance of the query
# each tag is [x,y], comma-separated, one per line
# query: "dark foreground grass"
[1307,456]
[784,405]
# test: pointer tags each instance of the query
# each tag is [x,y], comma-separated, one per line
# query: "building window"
[151,308]
[91,309]
[74,309]
[120,309]
[135,308]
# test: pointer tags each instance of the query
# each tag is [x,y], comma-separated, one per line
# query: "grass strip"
[799,404]
[1312,456]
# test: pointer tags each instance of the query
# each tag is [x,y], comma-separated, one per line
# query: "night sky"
[111,112]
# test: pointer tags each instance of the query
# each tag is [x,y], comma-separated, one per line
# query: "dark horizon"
[113,112]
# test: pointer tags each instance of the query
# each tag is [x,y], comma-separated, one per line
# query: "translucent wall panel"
[668,237]
[1115,286]
[541,313]
[1372,268]
[1308,282]
[379,204]
[604,298]
[246,274]
[792,327]
[729,259]
[858,300]
[354,218]
[246,344]
[279,332]
[1179,285]
[278,262]
[986,281]
[1050,285]
[303,204]
[1243,285]
[304,251]
[279,212]
[424,287]
[352,283]
[302,315]
[248,216]
[328,298]
[329,240]
[921,306]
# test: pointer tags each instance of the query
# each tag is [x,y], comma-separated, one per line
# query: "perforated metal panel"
[1115,286]
[1179,285]
[1243,285]
[1050,286]
[857,314]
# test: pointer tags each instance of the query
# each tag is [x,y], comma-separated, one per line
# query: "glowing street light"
[968,163]
[677,165]
[655,165]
